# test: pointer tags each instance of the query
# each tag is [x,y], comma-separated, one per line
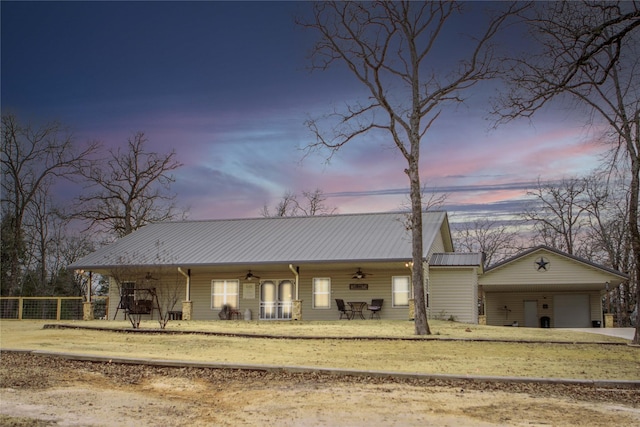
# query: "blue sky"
[226,84]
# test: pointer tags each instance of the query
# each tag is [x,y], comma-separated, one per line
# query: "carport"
[545,287]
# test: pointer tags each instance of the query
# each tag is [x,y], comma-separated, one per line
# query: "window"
[321,292]
[401,288]
[224,292]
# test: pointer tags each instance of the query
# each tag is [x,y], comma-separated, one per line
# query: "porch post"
[187,310]
[297,309]
[608,320]
[87,306]
[187,304]
[87,310]
[297,302]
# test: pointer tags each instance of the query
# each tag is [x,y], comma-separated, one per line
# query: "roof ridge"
[186,221]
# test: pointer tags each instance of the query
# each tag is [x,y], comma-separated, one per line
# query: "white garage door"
[571,311]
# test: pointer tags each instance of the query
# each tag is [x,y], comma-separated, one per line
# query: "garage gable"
[545,268]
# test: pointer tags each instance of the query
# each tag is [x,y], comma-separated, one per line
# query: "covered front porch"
[278,292]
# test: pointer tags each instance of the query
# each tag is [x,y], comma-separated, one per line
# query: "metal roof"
[456,260]
[330,238]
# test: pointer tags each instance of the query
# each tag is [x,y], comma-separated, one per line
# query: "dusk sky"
[227,85]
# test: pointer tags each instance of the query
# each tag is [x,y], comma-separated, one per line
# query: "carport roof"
[457,260]
[330,238]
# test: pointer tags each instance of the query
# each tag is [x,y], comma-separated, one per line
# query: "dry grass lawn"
[38,391]
[579,355]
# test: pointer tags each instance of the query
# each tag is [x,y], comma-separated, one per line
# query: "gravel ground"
[50,391]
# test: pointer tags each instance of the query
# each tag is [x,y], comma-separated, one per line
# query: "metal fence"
[50,308]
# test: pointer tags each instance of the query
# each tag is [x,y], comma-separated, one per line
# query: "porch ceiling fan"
[250,276]
[148,276]
[360,274]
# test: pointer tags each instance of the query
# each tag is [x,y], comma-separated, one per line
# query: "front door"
[276,299]
[531,314]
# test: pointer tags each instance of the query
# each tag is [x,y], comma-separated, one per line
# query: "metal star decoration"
[541,264]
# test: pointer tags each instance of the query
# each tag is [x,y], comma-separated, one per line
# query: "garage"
[571,311]
[543,287]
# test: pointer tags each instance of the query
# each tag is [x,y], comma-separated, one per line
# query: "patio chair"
[344,311]
[375,307]
[225,313]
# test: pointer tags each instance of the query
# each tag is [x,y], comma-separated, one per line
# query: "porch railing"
[280,310]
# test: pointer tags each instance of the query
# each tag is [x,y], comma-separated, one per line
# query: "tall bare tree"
[559,213]
[129,189]
[496,240]
[608,209]
[32,159]
[608,235]
[391,49]
[588,53]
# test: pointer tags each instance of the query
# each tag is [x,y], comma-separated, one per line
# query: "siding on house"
[562,273]
[453,294]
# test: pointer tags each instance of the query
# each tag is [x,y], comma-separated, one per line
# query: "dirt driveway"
[44,391]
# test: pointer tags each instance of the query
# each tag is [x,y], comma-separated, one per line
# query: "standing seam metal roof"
[352,237]
[456,260]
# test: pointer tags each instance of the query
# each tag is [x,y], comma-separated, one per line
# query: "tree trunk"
[635,237]
[417,276]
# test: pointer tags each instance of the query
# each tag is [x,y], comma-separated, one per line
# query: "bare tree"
[290,205]
[391,49]
[496,240]
[608,235]
[287,206]
[129,189]
[315,203]
[39,228]
[69,247]
[169,292]
[32,159]
[157,285]
[559,213]
[608,231]
[588,53]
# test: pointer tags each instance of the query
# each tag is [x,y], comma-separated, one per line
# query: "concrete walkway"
[626,333]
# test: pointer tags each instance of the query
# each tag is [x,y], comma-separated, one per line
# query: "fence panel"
[41,308]
[9,308]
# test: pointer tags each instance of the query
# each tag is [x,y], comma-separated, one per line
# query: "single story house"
[293,268]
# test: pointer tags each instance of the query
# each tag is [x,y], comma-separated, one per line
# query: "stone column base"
[297,309]
[187,310]
[87,311]
[412,309]
[608,321]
